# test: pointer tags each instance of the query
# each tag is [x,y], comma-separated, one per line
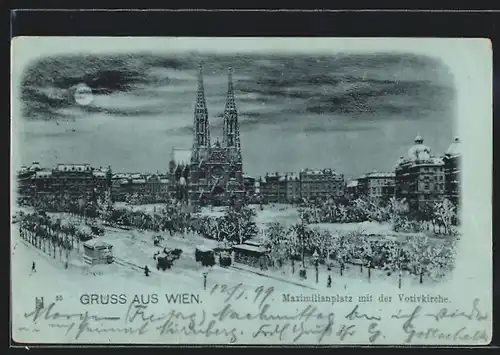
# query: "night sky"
[351,112]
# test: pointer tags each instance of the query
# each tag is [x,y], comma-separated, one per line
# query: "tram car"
[225,258]
[205,255]
[96,251]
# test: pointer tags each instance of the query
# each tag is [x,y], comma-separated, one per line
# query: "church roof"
[307,171]
[181,156]
[376,174]
[73,167]
[352,183]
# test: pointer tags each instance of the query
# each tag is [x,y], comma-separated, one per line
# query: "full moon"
[83,95]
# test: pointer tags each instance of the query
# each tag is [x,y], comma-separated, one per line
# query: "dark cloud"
[103,74]
[122,111]
[279,99]
[39,135]
[355,85]
[412,98]
[337,128]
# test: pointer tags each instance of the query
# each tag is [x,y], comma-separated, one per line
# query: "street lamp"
[315,258]
[205,274]
[289,251]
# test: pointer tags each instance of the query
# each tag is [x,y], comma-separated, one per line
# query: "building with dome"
[420,177]
[210,173]
[452,160]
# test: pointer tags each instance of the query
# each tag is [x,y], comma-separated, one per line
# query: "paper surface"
[251,191]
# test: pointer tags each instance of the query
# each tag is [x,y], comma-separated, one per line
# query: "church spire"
[201,129]
[231,134]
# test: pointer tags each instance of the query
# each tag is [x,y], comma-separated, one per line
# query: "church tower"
[231,131]
[215,172]
[231,141]
[201,128]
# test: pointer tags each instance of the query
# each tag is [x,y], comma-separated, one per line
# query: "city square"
[309,229]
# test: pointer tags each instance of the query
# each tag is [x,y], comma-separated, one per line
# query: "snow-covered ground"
[134,249]
[53,280]
[144,208]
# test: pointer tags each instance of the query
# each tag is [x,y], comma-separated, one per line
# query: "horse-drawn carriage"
[166,261]
[96,230]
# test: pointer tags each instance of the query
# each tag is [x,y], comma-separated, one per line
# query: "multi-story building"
[452,161]
[249,183]
[420,177]
[214,173]
[292,187]
[273,188]
[257,190]
[149,187]
[65,182]
[321,184]
[351,189]
[118,183]
[137,184]
[376,185]
[25,186]
[157,185]
[179,171]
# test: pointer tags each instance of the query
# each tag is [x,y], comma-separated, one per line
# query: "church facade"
[211,173]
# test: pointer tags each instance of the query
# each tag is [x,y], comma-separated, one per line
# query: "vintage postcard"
[320,191]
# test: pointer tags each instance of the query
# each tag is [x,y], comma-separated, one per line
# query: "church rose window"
[217,171]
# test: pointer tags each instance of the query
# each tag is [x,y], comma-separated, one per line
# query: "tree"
[397,209]
[331,247]
[342,213]
[105,207]
[239,224]
[393,255]
[292,245]
[344,251]
[419,254]
[366,253]
[275,241]
[444,211]
[321,242]
[440,261]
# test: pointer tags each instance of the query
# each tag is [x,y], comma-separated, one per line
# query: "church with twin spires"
[210,173]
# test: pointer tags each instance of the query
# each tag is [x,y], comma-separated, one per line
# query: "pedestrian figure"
[33,267]
[204,280]
[146,270]
[329,282]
